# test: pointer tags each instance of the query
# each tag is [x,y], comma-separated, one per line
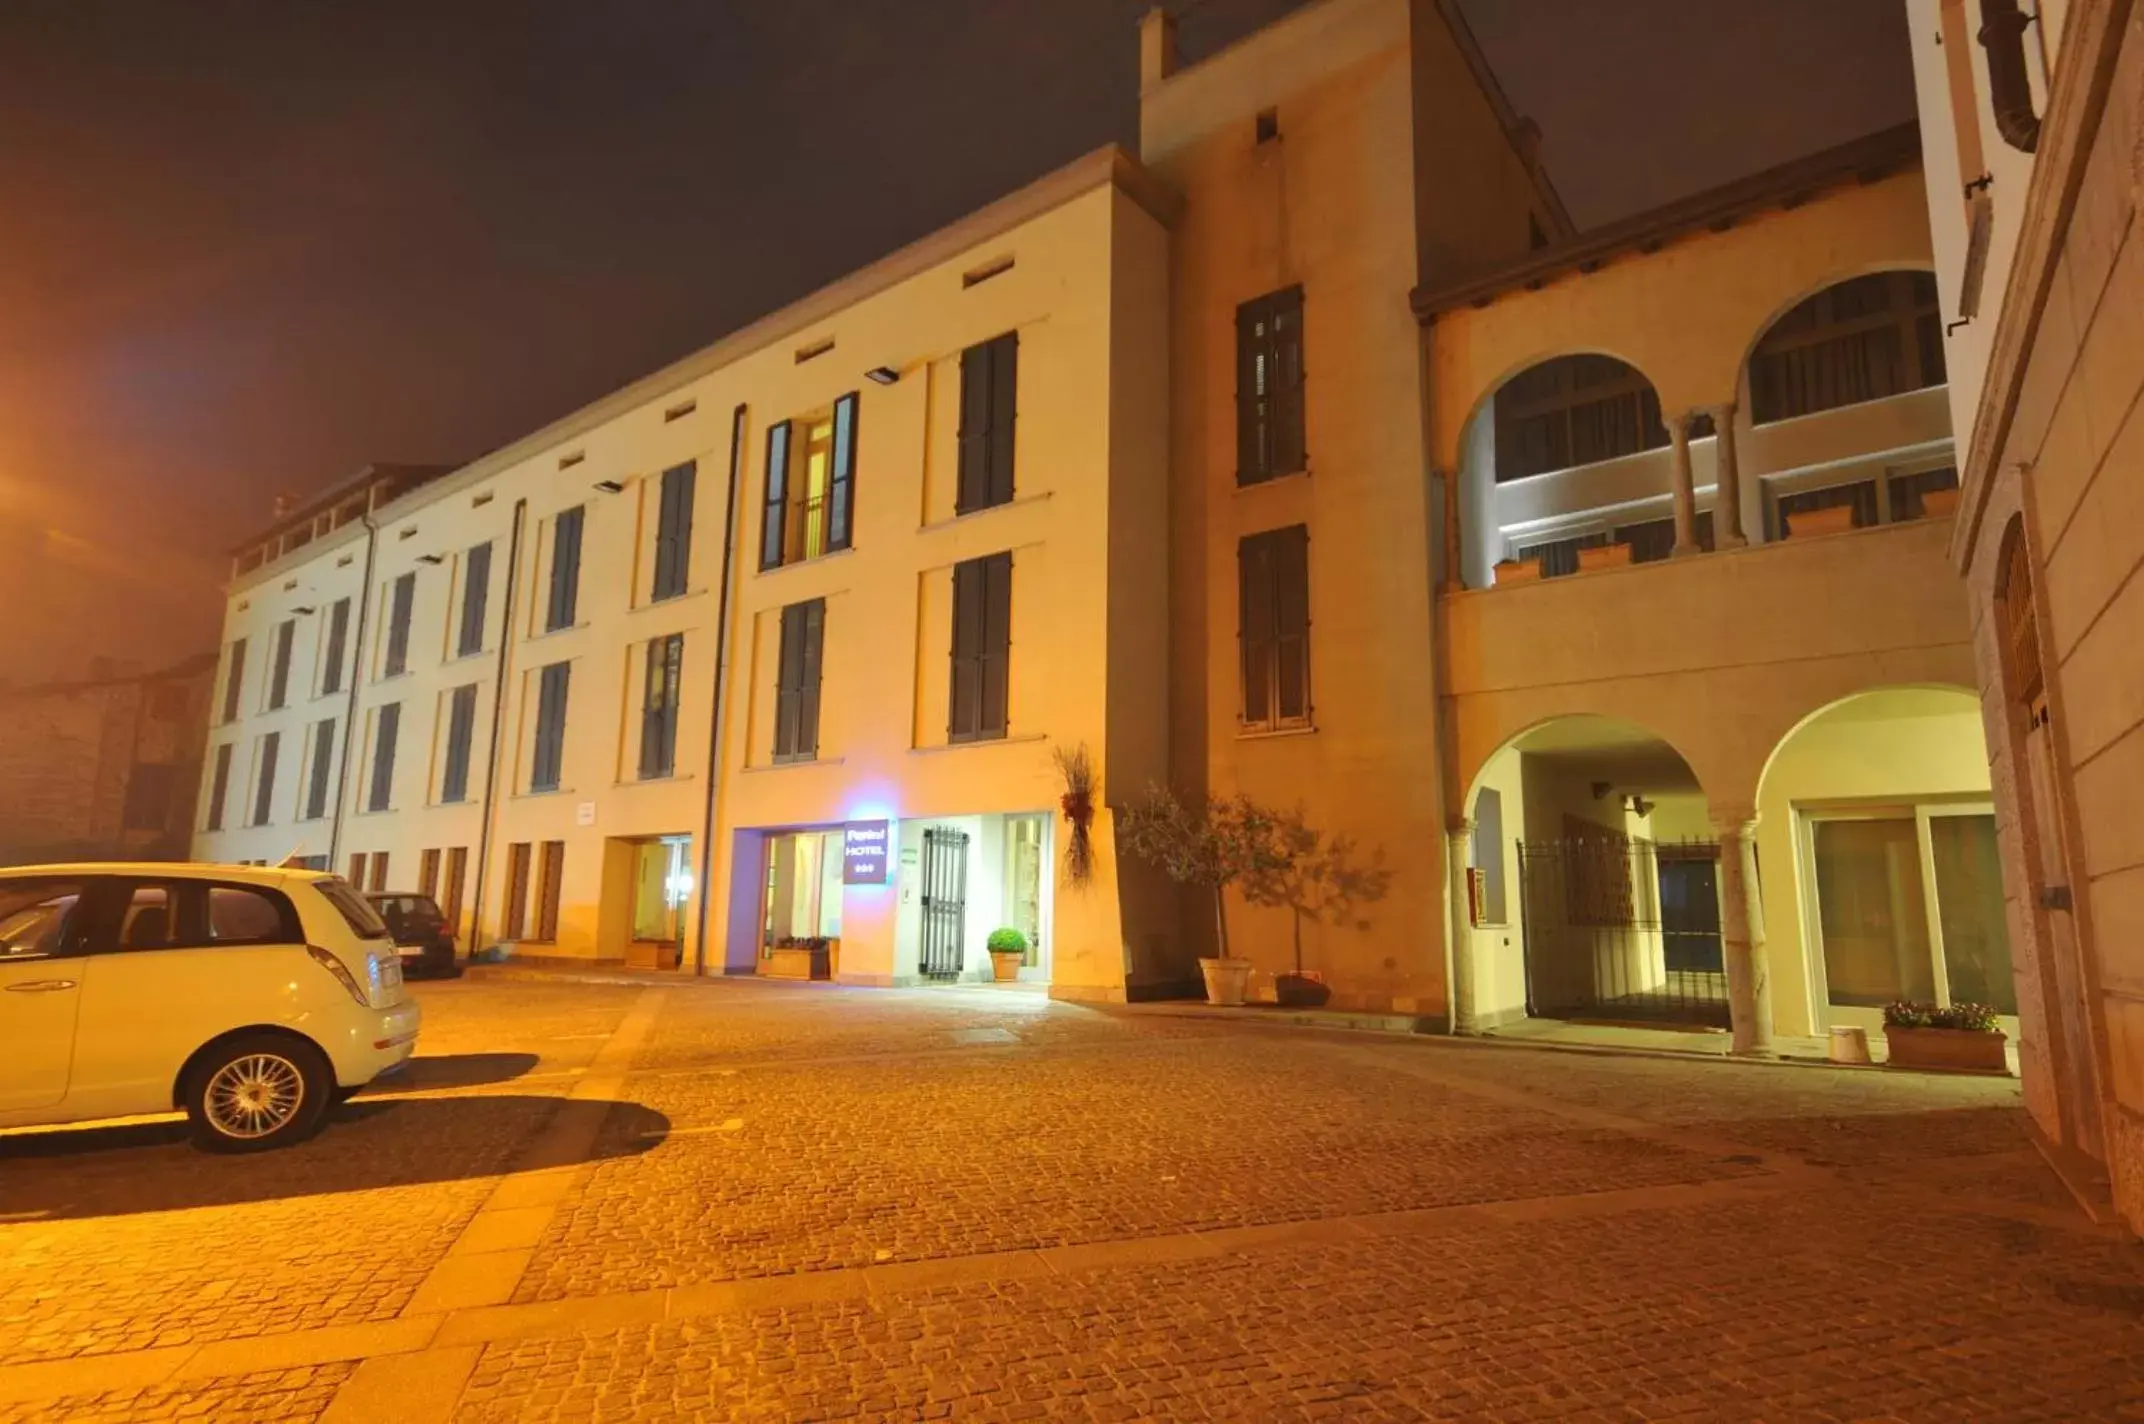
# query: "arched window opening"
[1861,340]
[1574,410]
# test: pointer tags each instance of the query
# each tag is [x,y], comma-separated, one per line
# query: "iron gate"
[1623,929]
[945,901]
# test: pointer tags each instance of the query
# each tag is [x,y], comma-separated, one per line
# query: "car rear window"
[353,907]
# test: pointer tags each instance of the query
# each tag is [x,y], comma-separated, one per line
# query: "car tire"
[257,1092]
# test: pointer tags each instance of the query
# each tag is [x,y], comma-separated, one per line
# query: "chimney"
[1157,47]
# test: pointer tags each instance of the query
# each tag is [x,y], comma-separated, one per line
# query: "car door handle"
[40,986]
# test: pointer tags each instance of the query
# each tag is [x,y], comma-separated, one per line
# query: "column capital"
[1722,412]
[1733,820]
[1458,826]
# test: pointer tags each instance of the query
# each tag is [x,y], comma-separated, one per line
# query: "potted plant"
[800,957]
[1008,952]
[1314,877]
[1211,845]
[1959,1038]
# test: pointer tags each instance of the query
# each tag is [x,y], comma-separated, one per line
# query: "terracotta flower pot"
[1005,965]
[1226,979]
[1955,1050]
[1603,556]
[1300,991]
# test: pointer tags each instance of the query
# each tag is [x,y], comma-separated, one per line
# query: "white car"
[250,998]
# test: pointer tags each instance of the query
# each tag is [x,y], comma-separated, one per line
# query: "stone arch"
[1761,405]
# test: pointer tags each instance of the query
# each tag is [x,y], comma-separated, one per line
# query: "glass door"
[1908,905]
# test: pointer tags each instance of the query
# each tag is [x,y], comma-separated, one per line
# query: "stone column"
[1685,495]
[1460,991]
[1727,491]
[1749,985]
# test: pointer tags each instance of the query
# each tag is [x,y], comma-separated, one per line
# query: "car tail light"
[341,972]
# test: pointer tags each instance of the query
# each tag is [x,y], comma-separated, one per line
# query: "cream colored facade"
[574,843]
[2047,536]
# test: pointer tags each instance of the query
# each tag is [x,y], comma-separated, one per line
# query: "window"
[37,918]
[550,878]
[982,647]
[811,486]
[379,871]
[796,691]
[476,594]
[1863,339]
[450,900]
[185,914]
[658,706]
[338,639]
[1489,856]
[515,921]
[673,531]
[550,750]
[461,730]
[1273,578]
[1574,410]
[989,388]
[662,881]
[264,778]
[148,804]
[316,789]
[1269,387]
[234,677]
[564,604]
[279,664]
[396,659]
[387,726]
[428,872]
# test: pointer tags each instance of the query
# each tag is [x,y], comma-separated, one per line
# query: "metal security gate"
[1622,929]
[945,901]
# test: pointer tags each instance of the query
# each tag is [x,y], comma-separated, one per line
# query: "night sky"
[247,247]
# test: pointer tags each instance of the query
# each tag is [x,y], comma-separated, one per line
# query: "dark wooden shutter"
[841,487]
[1254,577]
[673,531]
[773,519]
[514,924]
[794,738]
[552,689]
[405,593]
[234,679]
[1291,620]
[1004,410]
[461,730]
[264,793]
[338,640]
[316,793]
[814,634]
[565,569]
[219,789]
[1269,387]
[551,882]
[476,594]
[279,671]
[982,647]
[357,870]
[386,731]
[428,871]
[450,900]
[989,388]
[1287,402]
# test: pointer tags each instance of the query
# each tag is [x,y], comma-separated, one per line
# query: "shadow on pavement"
[454,1070]
[364,1146]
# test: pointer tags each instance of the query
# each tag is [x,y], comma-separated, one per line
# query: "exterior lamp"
[883,375]
[431,558]
[610,486]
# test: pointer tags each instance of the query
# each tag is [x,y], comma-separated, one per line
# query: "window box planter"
[1518,571]
[1603,556]
[805,959]
[1953,1050]
[651,954]
[1809,523]
[1937,503]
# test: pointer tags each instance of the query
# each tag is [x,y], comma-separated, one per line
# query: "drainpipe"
[714,716]
[356,653]
[2002,35]
[498,706]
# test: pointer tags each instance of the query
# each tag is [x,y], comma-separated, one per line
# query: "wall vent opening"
[478,501]
[567,462]
[815,350]
[995,267]
[680,410]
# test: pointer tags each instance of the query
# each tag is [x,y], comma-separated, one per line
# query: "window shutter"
[219,788]
[974,481]
[673,536]
[233,680]
[658,711]
[550,727]
[789,685]
[1291,617]
[565,568]
[1004,403]
[517,891]
[814,631]
[1251,462]
[387,730]
[264,795]
[965,708]
[551,880]
[461,729]
[1286,401]
[279,674]
[772,513]
[1254,574]
[996,659]
[338,638]
[405,592]
[476,592]
[841,487]
[316,794]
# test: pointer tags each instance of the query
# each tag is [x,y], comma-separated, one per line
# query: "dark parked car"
[420,931]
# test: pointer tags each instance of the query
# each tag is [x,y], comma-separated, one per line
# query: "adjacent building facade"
[2035,149]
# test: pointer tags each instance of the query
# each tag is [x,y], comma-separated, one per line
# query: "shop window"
[662,883]
[803,888]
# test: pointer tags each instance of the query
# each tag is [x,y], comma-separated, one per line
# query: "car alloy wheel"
[253,1096]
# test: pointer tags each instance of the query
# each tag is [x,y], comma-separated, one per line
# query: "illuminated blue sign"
[863,852]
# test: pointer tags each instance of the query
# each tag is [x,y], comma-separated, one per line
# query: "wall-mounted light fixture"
[306,612]
[610,487]
[884,375]
[431,558]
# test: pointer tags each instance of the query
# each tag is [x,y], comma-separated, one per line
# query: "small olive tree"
[1213,844]
[1315,876]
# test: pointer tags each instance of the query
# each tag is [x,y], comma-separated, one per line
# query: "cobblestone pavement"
[596,1200]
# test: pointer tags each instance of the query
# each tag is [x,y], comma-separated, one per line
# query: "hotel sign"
[863,852]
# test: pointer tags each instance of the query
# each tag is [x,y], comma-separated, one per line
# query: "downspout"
[714,717]
[2002,35]
[356,654]
[498,708]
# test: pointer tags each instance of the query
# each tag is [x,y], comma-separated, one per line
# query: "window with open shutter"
[773,522]
[552,688]
[386,730]
[658,706]
[796,694]
[989,389]
[398,613]
[476,594]
[1269,387]
[1274,599]
[564,604]
[982,648]
[673,531]
[841,489]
